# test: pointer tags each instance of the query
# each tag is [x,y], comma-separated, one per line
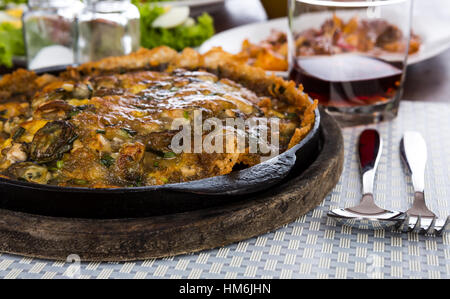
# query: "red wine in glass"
[348,80]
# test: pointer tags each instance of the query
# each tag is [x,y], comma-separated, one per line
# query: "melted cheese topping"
[108,130]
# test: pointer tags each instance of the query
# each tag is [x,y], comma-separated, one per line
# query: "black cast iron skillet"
[157,200]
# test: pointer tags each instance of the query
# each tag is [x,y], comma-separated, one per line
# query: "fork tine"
[431,229]
[447,224]
[445,227]
[404,225]
[417,227]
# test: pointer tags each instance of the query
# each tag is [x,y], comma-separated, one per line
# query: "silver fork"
[419,218]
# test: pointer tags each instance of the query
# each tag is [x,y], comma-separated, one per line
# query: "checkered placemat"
[314,246]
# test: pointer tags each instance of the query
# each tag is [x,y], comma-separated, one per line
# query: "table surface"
[314,246]
[425,81]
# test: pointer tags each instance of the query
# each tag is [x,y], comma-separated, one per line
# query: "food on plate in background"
[337,36]
[11,43]
[6,4]
[334,37]
[270,54]
[160,25]
[172,26]
[150,1]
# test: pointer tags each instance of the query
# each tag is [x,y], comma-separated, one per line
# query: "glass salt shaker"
[50,32]
[107,28]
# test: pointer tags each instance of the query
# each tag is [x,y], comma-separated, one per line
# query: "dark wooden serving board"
[167,235]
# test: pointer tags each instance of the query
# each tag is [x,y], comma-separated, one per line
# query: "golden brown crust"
[141,59]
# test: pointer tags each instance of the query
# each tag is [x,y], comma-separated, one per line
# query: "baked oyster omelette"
[107,124]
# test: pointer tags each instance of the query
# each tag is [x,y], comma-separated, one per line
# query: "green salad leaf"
[5,3]
[179,37]
[146,1]
[11,43]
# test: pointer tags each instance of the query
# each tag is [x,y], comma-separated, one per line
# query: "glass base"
[364,115]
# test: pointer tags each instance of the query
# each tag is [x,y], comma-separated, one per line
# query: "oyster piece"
[52,141]
[30,172]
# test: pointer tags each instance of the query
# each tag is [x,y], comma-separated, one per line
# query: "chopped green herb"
[138,183]
[100,131]
[80,182]
[107,160]
[73,113]
[139,107]
[59,164]
[156,164]
[129,131]
[186,114]
[169,155]
[164,180]
[291,115]
[72,139]
[19,132]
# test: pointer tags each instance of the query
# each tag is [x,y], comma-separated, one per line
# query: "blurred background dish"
[433,32]
[160,24]
[173,26]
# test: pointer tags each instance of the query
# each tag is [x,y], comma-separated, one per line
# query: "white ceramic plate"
[434,33]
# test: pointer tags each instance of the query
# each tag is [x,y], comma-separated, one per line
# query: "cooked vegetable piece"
[107,160]
[176,16]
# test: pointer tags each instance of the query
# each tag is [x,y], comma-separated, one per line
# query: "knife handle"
[413,151]
[369,148]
